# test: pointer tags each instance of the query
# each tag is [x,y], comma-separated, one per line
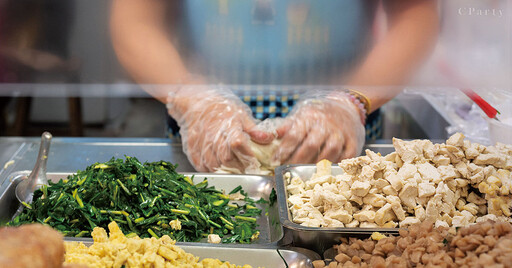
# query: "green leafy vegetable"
[149,200]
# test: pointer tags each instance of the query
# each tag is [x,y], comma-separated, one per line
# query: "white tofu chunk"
[428,172]
[447,173]
[396,206]
[384,214]
[352,224]
[395,180]
[440,223]
[420,213]
[408,195]
[376,200]
[360,188]
[426,189]
[339,215]
[323,168]
[407,171]
[214,238]
[365,216]
[456,139]
[408,221]
[441,160]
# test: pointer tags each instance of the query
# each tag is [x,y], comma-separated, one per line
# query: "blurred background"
[59,72]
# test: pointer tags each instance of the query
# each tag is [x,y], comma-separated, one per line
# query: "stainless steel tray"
[318,239]
[271,232]
[261,256]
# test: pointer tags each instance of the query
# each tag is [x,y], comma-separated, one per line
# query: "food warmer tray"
[271,232]
[318,239]
[261,256]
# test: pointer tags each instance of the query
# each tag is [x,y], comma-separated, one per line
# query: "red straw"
[490,111]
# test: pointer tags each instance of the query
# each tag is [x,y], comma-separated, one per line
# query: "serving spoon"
[37,178]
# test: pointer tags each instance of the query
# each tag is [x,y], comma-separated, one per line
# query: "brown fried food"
[33,245]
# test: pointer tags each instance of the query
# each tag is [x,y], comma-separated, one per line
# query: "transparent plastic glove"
[215,127]
[322,125]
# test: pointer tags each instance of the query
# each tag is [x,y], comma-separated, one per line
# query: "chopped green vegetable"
[143,199]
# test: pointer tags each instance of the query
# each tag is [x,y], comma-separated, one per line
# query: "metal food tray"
[271,232]
[318,239]
[262,256]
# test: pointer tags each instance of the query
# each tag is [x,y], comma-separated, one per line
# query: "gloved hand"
[215,127]
[322,125]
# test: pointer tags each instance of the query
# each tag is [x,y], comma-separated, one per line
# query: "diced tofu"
[463,220]
[407,171]
[429,172]
[312,223]
[350,166]
[175,224]
[494,180]
[323,168]
[434,207]
[440,223]
[406,152]
[333,222]
[408,222]
[420,213]
[365,216]
[456,139]
[395,180]
[334,200]
[426,189]
[367,173]
[396,207]
[214,238]
[295,200]
[384,214]
[297,181]
[381,183]
[472,208]
[356,199]
[339,215]
[352,224]
[294,189]
[390,224]
[461,182]
[319,181]
[487,217]
[389,190]
[360,188]
[447,173]
[390,157]
[462,168]
[477,177]
[343,186]
[376,200]
[490,159]
[408,195]
[441,160]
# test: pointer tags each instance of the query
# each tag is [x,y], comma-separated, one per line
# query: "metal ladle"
[37,178]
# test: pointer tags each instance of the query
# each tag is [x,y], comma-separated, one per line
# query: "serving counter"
[72,154]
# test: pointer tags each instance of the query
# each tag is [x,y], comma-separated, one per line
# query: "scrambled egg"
[377,236]
[118,251]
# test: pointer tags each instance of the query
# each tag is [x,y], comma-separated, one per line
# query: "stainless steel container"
[261,256]
[271,232]
[318,239]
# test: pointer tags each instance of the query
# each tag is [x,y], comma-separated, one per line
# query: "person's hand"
[321,126]
[215,127]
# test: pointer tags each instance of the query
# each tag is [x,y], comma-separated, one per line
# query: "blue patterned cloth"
[272,104]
